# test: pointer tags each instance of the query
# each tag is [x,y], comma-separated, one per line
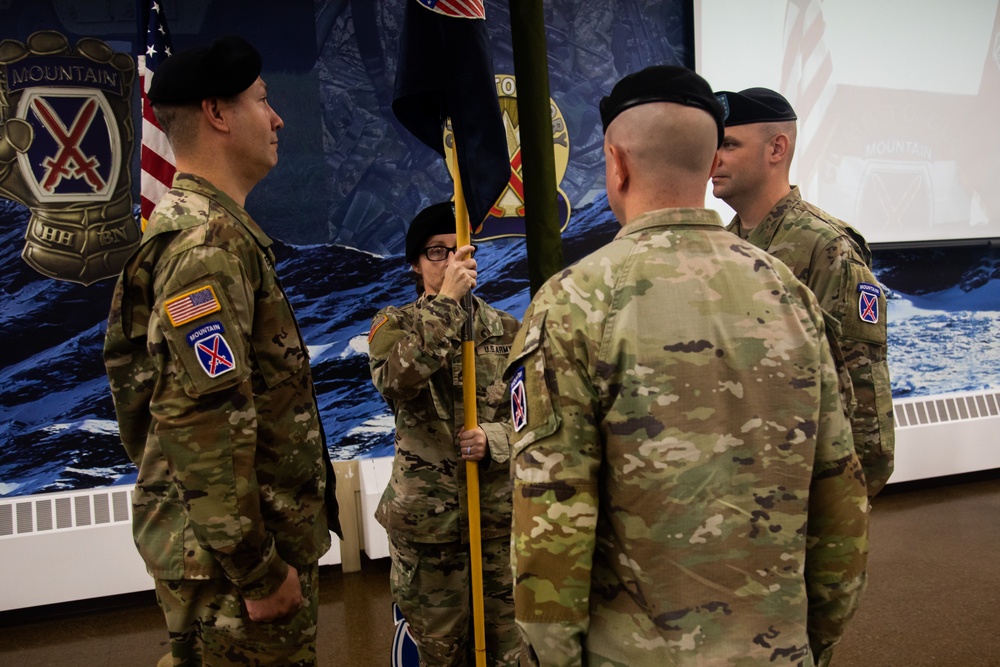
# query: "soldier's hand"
[283,602]
[473,444]
[460,276]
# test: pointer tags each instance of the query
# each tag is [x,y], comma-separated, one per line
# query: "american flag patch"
[192,305]
[466,9]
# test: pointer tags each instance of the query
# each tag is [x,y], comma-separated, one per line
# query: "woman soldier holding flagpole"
[427,508]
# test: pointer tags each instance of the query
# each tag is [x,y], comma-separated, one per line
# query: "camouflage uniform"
[216,407]
[834,261]
[416,364]
[685,490]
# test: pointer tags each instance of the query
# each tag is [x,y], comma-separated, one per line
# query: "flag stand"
[462,235]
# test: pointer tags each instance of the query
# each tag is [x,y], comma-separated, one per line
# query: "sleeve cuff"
[260,580]
[498,441]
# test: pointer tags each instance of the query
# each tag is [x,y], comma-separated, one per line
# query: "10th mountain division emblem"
[66,139]
[506,217]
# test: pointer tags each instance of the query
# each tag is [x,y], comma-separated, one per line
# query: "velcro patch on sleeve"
[868,295]
[213,352]
[211,349]
[518,400]
[192,305]
[375,327]
[214,355]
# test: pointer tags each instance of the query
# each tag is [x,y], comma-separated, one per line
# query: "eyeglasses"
[439,253]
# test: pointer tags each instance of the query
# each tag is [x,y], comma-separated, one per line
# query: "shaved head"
[666,150]
[666,137]
[179,123]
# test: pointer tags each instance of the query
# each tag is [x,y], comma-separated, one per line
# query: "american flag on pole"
[807,81]
[157,158]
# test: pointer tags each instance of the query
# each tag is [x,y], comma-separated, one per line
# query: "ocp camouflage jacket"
[685,489]
[834,261]
[416,364]
[214,396]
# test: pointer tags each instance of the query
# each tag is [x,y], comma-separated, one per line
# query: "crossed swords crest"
[62,168]
[66,140]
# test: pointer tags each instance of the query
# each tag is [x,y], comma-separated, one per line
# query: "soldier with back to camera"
[685,488]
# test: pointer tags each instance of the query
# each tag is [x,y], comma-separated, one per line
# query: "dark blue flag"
[446,70]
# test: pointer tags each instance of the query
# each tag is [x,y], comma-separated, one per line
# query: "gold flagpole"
[462,227]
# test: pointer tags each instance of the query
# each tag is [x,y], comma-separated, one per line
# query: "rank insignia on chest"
[192,305]
[868,295]
[518,400]
[213,352]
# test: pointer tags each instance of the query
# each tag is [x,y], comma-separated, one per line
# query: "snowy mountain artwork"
[57,425]
[348,181]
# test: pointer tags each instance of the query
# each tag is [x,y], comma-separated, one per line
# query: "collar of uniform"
[202,186]
[769,225]
[671,216]
[793,197]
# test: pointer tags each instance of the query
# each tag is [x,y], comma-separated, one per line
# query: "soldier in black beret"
[225,68]
[670,107]
[661,83]
[829,255]
[632,372]
[414,354]
[436,221]
[212,385]
[755,105]
[191,94]
[760,127]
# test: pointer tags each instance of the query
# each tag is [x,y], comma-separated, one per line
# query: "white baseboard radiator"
[77,545]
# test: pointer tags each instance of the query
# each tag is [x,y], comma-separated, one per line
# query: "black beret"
[755,105]
[226,68]
[433,220]
[661,83]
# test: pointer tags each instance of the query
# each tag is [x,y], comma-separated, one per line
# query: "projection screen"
[898,104]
